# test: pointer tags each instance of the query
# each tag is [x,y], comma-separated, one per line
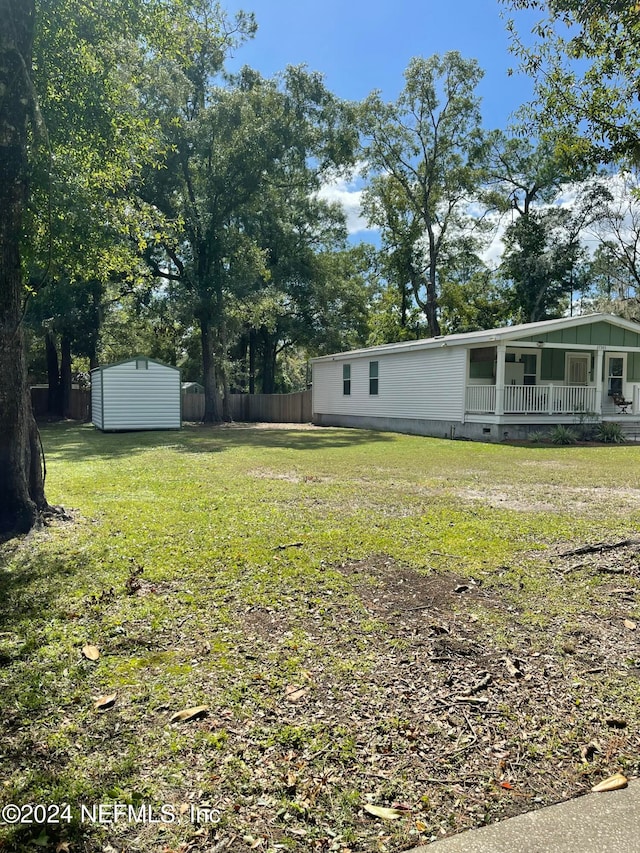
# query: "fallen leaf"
[507,786]
[384,813]
[613,783]
[587,752]
[513,668]
[630,624]
[91,652]
[189,714]
[103,703]
[293,693]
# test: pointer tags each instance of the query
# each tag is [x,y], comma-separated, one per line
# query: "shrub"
[610,433]
[537,436]
[588,424]
[563,435]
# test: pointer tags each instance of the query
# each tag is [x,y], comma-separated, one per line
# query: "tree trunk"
[54,406]
[432,298]
[252,360]
[22,489]
[65,376]
[268,363]
[212,410]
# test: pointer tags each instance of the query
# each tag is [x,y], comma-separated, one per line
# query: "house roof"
[500,335]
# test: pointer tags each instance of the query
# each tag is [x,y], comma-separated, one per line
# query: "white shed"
[138,393]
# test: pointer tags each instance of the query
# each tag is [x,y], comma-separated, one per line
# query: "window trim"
[374,377]
[346,380]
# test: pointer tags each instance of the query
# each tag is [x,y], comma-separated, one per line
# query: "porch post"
[501,351]
[597,378]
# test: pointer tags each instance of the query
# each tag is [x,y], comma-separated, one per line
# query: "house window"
[346,379]
[529,362]
[142,364]
[616,373]
[373,377]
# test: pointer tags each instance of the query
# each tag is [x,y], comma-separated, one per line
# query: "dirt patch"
[287,476]
[400,595]
[429,706]
[266,425]
[557,498]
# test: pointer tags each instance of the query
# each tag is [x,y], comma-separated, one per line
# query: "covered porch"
[549,380]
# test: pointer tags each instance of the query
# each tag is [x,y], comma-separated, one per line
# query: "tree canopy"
[584,60]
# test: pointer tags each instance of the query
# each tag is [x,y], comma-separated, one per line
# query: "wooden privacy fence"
[79,403]
[268,408]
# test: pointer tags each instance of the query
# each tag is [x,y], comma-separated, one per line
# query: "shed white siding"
[96,398]
[424,384]
[135,397]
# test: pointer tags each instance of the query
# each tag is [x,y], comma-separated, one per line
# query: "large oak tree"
[21,481]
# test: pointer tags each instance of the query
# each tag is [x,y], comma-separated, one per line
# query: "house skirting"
[491,428]
[414,426]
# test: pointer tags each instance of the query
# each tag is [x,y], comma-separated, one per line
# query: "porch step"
[630,430]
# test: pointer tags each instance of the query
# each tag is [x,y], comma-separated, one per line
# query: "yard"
[368,619]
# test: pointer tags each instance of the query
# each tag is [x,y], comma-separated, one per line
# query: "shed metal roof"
[134,358]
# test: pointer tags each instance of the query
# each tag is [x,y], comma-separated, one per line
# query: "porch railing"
[532,399]
[481,399]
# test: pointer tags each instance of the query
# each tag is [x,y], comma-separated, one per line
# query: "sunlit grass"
[214,523]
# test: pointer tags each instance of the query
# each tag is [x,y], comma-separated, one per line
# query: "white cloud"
[348,194]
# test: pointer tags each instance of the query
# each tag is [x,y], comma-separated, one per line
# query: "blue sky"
[361,45]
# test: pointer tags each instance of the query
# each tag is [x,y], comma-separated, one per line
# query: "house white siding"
[96,398]
[136,397]
[422,384]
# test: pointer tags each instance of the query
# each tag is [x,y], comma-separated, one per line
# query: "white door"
[578,369]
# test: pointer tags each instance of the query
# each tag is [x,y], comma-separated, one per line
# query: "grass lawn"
[370,619]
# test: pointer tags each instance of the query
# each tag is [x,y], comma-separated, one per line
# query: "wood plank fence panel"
[79,403]
[272,408]
[192,407]
[253,408]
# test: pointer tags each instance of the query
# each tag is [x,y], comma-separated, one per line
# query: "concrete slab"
[595,823]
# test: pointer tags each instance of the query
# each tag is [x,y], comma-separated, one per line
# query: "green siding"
[552,365]
[617,336]
[594,334]
[633,367]
[583,335]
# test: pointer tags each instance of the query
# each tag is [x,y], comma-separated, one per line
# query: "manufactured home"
[138,393]
[492,385]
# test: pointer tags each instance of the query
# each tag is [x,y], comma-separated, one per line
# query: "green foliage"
[610,432]
[247,240]
[426,151]
[584,62]
[538,260]
[563,435]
